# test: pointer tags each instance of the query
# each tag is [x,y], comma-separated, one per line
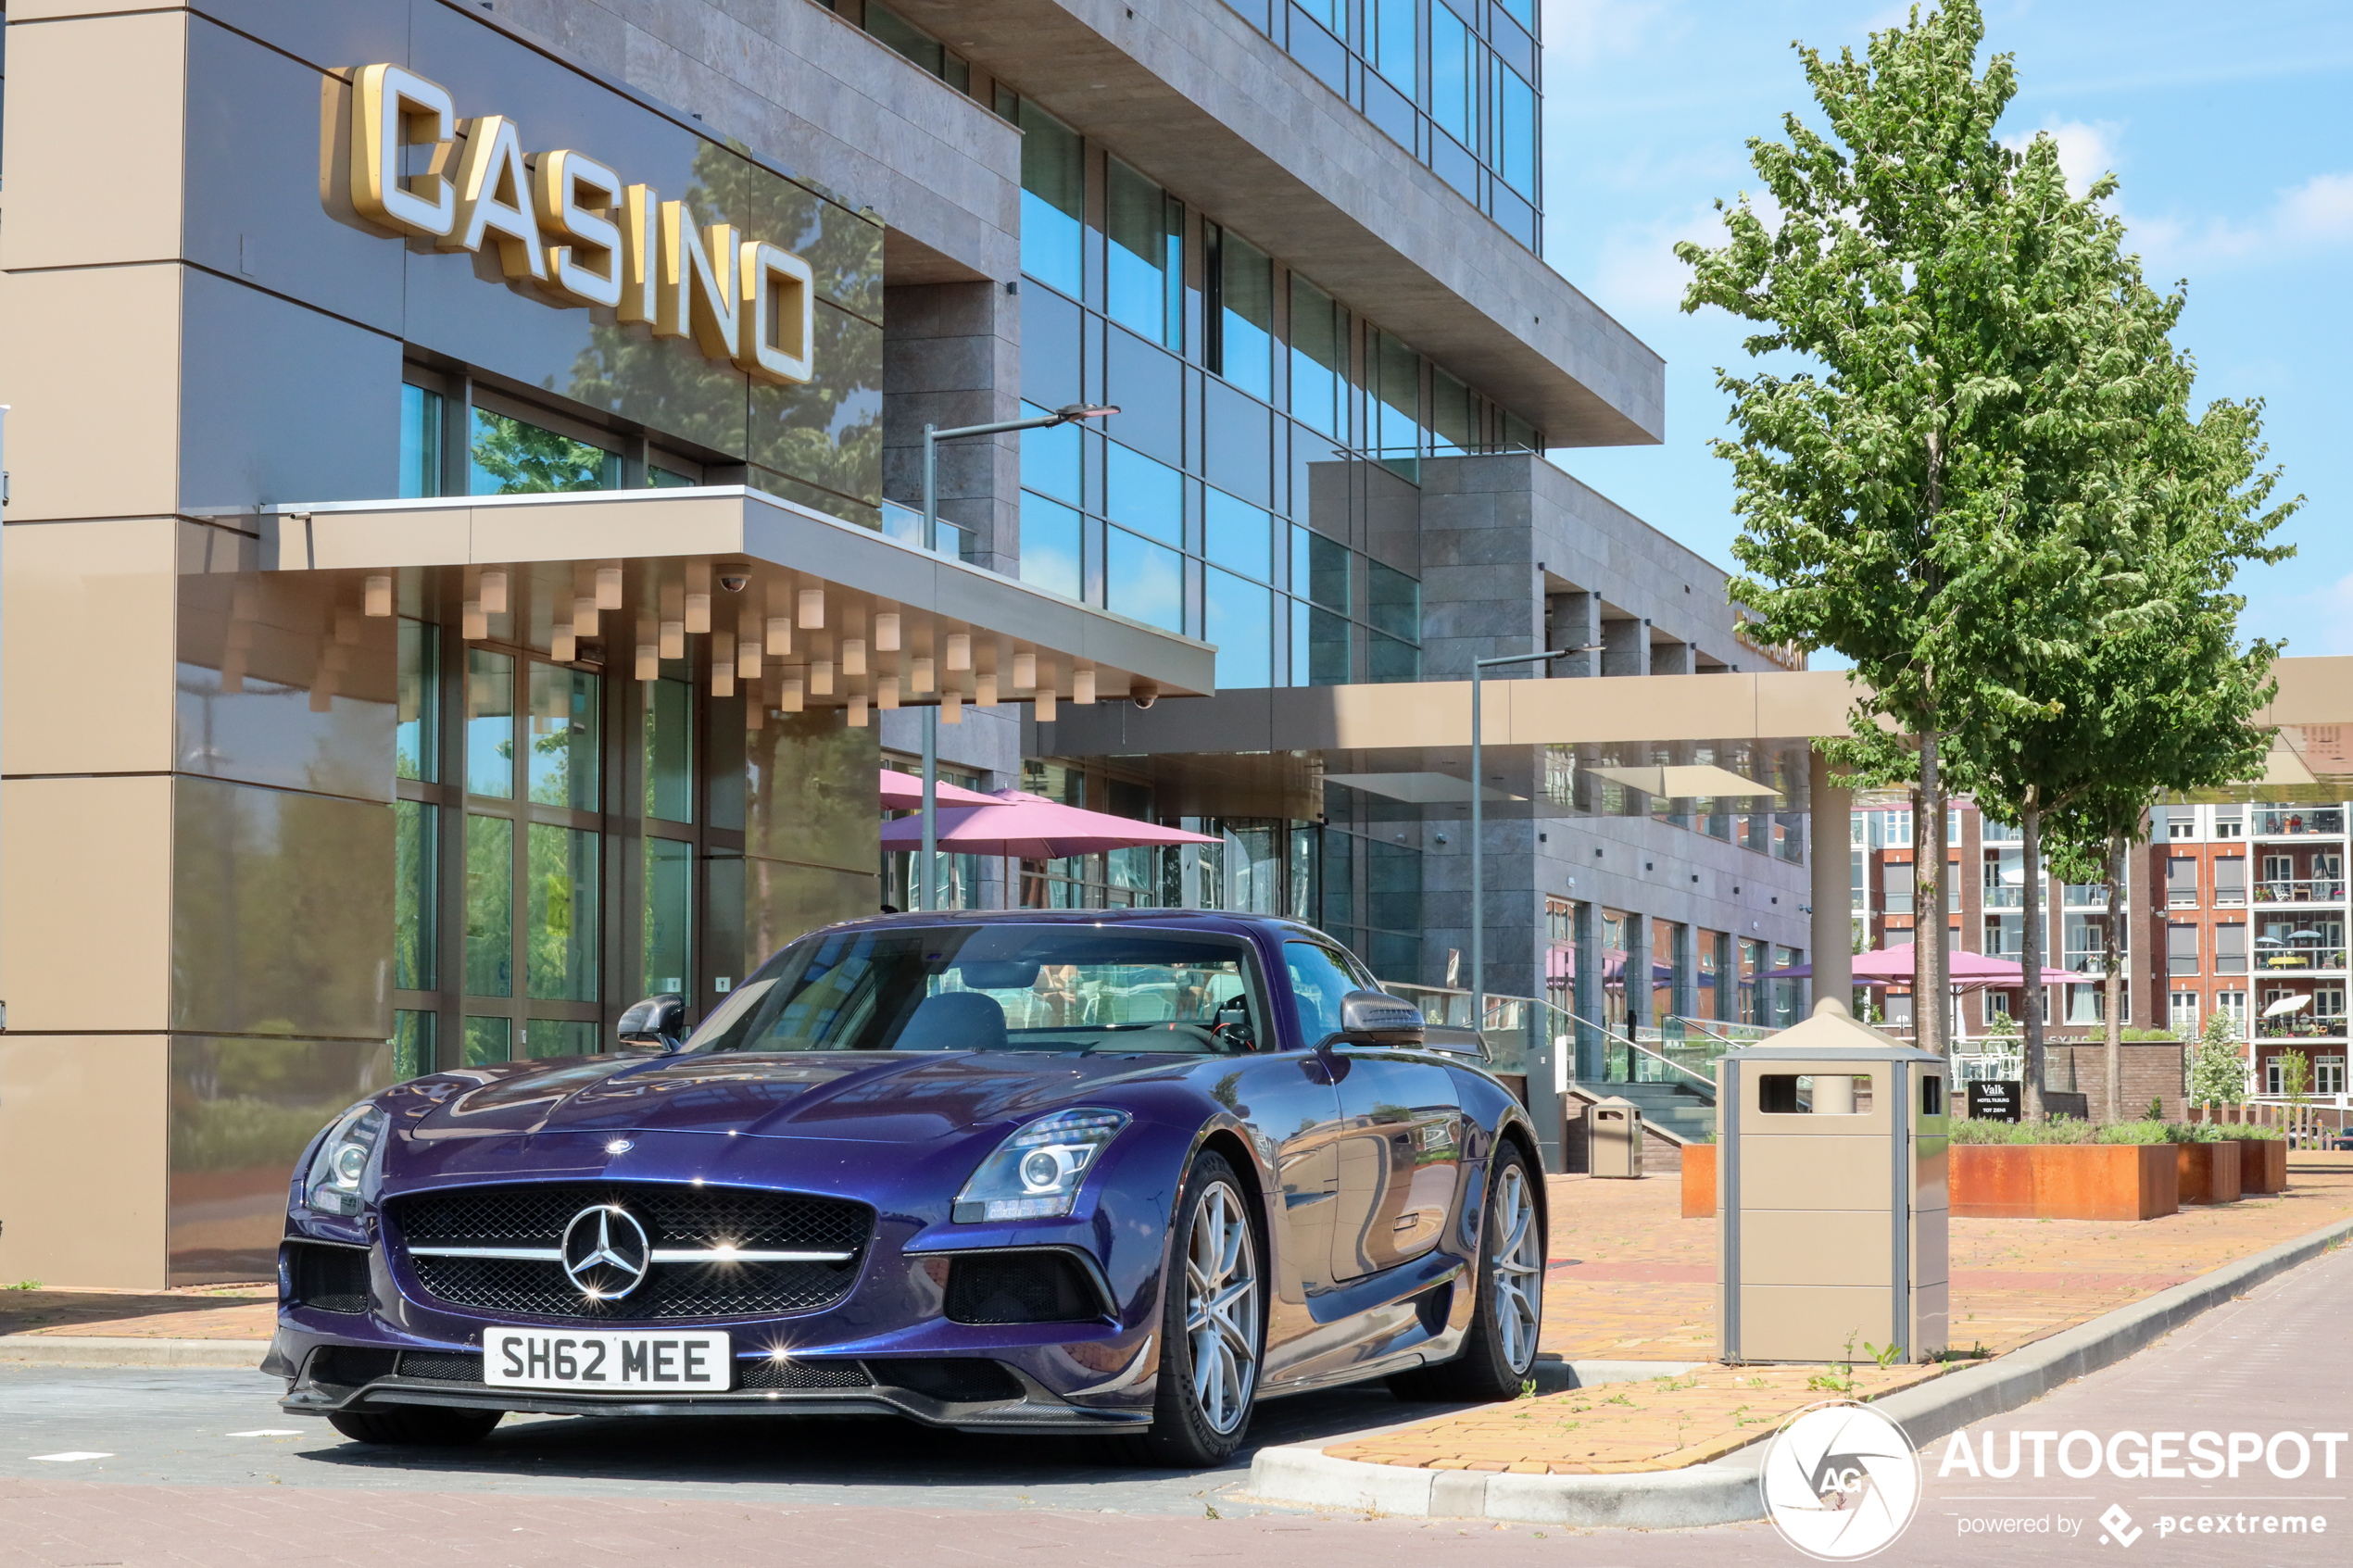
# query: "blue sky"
[2230,128]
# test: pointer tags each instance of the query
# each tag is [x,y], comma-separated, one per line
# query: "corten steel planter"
[2207,1173]
[1699,1181]
[2263,1165]
[2065,1181]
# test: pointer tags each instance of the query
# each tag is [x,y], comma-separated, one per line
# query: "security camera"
[1142,694]
[735,579]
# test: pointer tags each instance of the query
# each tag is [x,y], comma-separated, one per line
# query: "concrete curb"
[1724,1491]
[115,1351]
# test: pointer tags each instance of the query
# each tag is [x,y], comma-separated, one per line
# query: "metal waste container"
[1616,1140]
[1831,1215]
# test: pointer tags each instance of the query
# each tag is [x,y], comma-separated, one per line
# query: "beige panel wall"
[83,1160]
[1801,1172]
[85,642]
[1814,1322]
[96,135]
[90,358]
[85,903]
[1816,1247]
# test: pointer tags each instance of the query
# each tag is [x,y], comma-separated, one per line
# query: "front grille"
[349,1365]
[441,1366]
[536,1215]
[332,1279]
[1028,1286]
[955,1380]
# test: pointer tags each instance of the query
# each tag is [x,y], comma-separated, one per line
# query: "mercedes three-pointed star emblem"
[606,1252]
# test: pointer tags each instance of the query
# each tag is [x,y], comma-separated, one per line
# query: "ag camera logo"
[1840,1482]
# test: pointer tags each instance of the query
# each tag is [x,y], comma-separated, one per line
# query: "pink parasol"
[1031,827]
[1965,971]
[904,792]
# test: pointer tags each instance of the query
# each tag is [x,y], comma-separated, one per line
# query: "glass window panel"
[490,724]
[413,1043]
[414,838]
[420,441]
[1238,535]
[1333,14]
[1393,661]
[1319,568]
[1051,461]
[893,30]
[565,718]
[546,1037]
[1521,11]
[1389,40]
[1146,582]
[1241,616]
[489,1041]
[670,751]
[1397,408]
[1516,159]
[1396,602]
[1136,282]
[1318,356]
[512,458]
[1453,415]
[1454,89]
[1053,191]
[1327,649]
[417,730]
[560,942]
[490,906]
[664,479]
[1146,384]
[668,914]
[1246,315]
[1295,614]
[1143,494]
[1050,554]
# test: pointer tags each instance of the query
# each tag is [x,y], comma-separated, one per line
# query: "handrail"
[1608,1034]
[1700,1024]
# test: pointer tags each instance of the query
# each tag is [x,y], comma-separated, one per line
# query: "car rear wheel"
[1212,1324]
[1500,1346]
[423,1427]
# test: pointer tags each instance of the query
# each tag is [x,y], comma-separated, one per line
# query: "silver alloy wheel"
[1517,1269]
[1220,1307]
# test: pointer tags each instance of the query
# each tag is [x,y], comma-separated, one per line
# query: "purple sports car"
[1124,1172]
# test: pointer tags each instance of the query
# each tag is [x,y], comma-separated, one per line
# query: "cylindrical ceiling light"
[609,587]
[788,693]
[697,613]
[476,624]
[378,599]
[673,639]
[813,609]
[1045,705]
[748,654]
[583,616]
[959,650]
[858,711]
[494,593]
[886,694]
[853,655]
[1082,687]
[887,632]
[985,690]
[723,678]
[821,677]
[1024,671]
[780,636]
[563,645]
[951,707]
[648,662]
[922,674]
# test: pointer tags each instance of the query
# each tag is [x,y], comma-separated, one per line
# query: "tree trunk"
[2111,959]
[1930,993]
[2030,955]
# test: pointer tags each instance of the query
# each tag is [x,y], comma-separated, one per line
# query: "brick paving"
[195,1312]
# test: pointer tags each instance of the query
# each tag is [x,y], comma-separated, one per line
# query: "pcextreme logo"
[567,223]
[1840,1482]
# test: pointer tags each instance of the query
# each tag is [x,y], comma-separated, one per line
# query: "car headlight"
[332,1185]
[1035,1173]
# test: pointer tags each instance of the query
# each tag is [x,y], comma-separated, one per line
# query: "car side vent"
[1026,1287]
[955,1380]
[331,1279]
[349,1365]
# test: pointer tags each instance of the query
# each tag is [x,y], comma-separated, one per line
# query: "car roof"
[1228,921]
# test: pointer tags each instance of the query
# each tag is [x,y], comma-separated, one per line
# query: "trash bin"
[1617,1135]
[1832,1212]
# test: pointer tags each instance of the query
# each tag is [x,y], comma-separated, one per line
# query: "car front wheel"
[1213,1327]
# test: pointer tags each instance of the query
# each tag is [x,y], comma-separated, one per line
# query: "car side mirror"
[1375,1018]
[657,1025]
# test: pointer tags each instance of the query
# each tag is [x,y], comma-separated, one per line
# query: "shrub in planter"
[2063,1169]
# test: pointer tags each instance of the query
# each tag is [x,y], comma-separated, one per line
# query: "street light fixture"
[1479,819]
[925,889]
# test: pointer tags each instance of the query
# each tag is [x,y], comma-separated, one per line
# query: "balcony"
[2295,821]
[2298,1026]
[2307,890]
[2005,897]
[2298,959]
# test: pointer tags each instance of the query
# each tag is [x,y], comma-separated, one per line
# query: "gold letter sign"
[570,226]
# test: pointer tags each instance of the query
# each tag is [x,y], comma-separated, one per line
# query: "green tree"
[2218,1064]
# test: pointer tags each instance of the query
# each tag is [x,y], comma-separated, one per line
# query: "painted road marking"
[74,1456]
[269,1432]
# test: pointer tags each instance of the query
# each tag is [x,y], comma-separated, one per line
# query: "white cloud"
[2302,220]
[1636,273]
[2085,150]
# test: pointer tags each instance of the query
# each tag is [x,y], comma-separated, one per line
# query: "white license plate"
[629,1361]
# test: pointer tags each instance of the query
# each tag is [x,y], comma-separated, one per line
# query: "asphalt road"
[201,1468]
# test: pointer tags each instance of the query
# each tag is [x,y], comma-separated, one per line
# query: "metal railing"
[1626,1060]
[2271,960]
[2295,822]
[2301,890]
[2004,897]
[1505,1027]
[2298,1026]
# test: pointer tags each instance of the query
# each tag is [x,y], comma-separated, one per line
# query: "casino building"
[462,565]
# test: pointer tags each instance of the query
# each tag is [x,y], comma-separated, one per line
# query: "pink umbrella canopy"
[1966,971]
[904,792]
[1030,827]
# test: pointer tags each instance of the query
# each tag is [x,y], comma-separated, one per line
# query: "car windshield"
[1069,990]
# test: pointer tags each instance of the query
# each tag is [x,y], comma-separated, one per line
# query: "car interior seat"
[955,1021]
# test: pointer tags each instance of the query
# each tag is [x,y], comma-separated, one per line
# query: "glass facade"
[1456,83]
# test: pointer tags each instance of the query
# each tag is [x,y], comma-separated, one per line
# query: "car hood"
[863,1096]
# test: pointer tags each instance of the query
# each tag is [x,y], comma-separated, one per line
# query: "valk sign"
[1995,1099]
[567,225]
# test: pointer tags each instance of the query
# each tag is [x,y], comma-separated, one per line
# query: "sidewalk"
[1632,1280]
[194,1312]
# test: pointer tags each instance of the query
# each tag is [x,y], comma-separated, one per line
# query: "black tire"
[1500,1348]
[420,1426]
[1208,1359]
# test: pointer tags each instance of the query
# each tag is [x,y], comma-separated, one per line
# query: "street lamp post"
[925,889]
[1478,821]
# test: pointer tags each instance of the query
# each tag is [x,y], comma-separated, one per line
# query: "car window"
[1318,979]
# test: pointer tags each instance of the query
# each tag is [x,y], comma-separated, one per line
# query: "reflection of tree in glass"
[827,433]
[526,461]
